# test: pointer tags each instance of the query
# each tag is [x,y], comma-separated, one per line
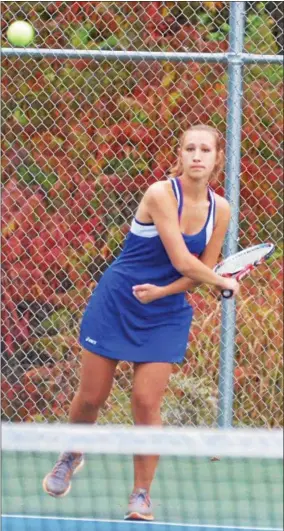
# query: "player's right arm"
[161,208]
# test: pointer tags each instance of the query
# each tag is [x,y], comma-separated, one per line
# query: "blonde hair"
[177,168]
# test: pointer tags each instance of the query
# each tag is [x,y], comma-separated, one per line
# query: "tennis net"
[242,488]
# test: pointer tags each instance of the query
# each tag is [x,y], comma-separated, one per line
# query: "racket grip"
[227,293]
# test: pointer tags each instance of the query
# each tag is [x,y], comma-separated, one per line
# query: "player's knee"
[89,402]
[145,404]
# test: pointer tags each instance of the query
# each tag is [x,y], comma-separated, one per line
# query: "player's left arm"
[148,292]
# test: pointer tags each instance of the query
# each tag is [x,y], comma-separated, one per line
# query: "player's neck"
[194,190]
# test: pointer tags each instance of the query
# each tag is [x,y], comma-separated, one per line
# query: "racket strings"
[243,259]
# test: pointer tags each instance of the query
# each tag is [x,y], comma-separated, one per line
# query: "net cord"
[235,442]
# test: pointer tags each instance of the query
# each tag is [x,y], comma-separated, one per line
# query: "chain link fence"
[81,141]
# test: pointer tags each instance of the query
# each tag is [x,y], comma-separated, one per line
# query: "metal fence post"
[232,189]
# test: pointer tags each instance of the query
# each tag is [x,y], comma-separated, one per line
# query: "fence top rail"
[123,55]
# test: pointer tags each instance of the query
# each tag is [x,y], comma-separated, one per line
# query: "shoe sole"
[137,516]
[78,467]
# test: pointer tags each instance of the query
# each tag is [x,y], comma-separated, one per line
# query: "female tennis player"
[138,311]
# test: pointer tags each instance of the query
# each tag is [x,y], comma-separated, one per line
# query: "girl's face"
[198,155]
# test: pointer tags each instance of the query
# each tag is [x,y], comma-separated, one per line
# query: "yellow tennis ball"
[20,33]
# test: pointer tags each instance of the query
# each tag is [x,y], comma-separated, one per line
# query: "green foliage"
[259,35]
[58,322]
[33,175]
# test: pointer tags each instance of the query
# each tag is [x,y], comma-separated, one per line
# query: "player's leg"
[150,381]
[96,380]
[95,385]
[149,385]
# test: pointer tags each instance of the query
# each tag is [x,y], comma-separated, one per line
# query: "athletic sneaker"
[58,482]
[140,506]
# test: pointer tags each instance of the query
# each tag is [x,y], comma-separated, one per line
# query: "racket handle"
[227,293]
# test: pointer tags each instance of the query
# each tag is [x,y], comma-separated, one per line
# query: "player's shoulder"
[159,190]
[221,202]
[223,210]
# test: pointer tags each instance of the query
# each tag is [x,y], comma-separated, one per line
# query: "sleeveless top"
[144,258]
[115,324]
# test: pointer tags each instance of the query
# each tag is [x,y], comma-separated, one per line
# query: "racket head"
[245,260]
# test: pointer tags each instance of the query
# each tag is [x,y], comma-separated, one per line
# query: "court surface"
[187,494]
[30,523]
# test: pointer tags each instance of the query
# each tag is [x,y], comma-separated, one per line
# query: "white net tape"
[242,442]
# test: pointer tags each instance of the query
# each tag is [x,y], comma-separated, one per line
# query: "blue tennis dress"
[116,325]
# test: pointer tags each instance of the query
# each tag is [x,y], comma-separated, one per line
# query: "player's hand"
[230,284]
[146,293]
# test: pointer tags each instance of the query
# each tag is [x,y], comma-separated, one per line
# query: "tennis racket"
[240,264]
